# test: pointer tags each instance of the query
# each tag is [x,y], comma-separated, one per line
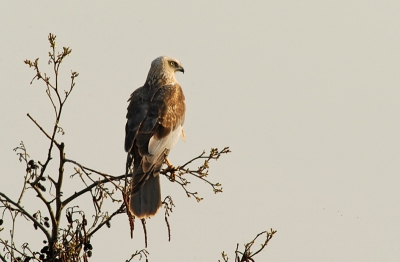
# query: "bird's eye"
[172,63]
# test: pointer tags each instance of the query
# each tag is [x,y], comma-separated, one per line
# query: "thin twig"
[144,230]
[92,170]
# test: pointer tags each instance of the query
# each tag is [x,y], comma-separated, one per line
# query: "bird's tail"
[147,200]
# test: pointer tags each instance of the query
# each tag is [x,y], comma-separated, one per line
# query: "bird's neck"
[162,79]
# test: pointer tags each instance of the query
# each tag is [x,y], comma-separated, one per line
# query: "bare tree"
[72,241]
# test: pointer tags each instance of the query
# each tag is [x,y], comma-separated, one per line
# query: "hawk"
[155,118]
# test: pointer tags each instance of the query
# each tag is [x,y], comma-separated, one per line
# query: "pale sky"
[305,93]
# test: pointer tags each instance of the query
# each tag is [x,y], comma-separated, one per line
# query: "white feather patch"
[157,147]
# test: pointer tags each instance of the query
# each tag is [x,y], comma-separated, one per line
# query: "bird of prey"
[155,118]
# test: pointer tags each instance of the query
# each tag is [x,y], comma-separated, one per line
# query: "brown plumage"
[156,114]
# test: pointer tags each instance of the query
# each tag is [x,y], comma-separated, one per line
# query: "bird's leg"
[170,168]
[168,162]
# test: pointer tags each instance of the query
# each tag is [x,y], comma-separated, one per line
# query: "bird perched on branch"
[156,114]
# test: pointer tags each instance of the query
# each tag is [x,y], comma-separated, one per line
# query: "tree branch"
[2,258]
[87,189]
[107,221]
[23,211]
[44,132]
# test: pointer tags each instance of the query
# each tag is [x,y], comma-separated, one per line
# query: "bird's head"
[164,67]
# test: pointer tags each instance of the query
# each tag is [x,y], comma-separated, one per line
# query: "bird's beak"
[181,69]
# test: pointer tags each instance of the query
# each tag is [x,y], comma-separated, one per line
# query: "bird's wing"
[137,112]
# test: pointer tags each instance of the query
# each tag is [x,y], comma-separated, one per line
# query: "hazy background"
[306,94]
